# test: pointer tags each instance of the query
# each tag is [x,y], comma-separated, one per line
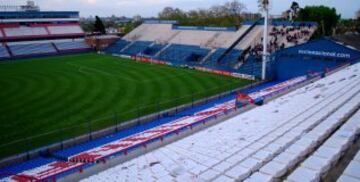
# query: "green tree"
[228,14]
[99,25]
[348,25]
[87,26]
[233,10]
[295,7]
[326,17]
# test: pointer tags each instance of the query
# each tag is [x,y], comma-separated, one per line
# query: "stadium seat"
[251,66]
[32,49]
[65,29]
[25,31]
[230,59]
[183,54]
[3,52]
[116,47]
[153,49]
[351,172]
[249,148]
[136,48]
[72,45]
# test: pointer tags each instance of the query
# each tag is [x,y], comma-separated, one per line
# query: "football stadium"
[267,99]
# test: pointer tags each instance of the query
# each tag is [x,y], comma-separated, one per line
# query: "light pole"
[264,5]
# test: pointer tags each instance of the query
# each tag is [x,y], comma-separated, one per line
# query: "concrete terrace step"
[267,143]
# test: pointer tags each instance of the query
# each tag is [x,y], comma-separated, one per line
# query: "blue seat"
[3,52]
[116,47]
[251,66]
[183,54]
[228,61]
[71,45]
[32,49]
[153,50]
[137,48]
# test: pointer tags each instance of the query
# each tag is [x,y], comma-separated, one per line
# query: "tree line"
[231,14]
[225,15]
[328,19]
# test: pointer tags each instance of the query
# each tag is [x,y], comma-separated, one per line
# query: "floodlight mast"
[265,7]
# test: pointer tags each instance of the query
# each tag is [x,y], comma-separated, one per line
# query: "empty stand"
[160,33]
[181,54]
[32,49]
[164,33]
[251,66]
[138,32]
[72,45]
[116,47]
[136,48]
[153,49]
[40,31]
[3,52]
[261,144]
[230,59]
[351,173]
[190,37]
[25,31]
[65,29]
[321,160]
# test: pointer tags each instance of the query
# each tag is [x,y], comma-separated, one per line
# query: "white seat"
[302,174]
[248,147]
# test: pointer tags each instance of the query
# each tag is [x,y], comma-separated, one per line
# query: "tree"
[169,13]
[228,14]
[295,7]
[218,11]
[233,10]
[347,26]
[357,21]
[263,4]
[326,17]
[99,25]
[87,26]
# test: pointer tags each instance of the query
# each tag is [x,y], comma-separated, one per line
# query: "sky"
[147,8]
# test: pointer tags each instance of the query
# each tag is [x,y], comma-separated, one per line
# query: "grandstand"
[202,46]
[300,136]
[30,32]
[36,31]
[3,52]
[21,49]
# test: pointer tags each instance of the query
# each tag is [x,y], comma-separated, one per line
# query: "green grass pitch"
[40,96]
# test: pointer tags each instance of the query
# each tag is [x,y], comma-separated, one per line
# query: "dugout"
[315,56]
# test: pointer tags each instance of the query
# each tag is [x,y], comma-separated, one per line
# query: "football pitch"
[46,100]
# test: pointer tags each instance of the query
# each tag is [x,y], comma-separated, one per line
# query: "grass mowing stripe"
[83,97]
[39,102]
[99,88]
[27,96]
